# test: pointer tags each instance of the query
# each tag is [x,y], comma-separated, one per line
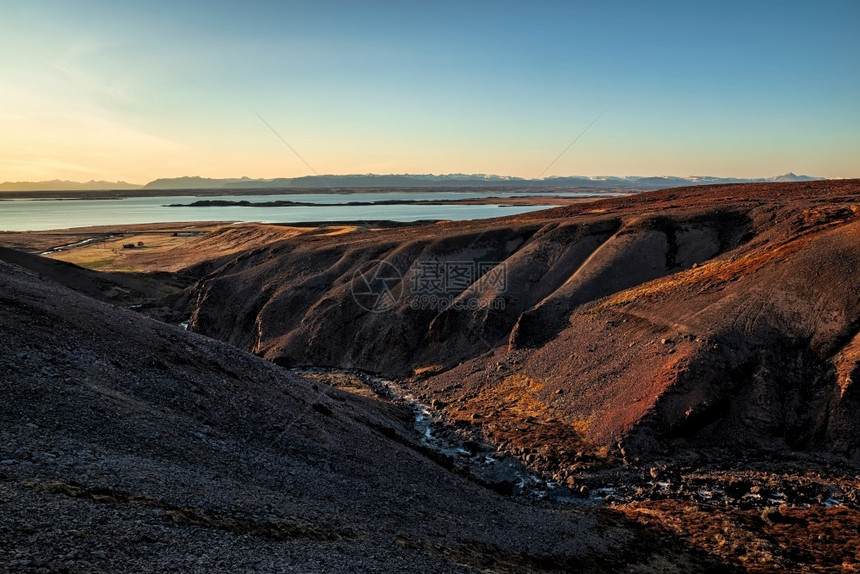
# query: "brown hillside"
[131,445]
[713,314]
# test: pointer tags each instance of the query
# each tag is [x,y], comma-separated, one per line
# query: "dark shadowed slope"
[121,288]
[130,445]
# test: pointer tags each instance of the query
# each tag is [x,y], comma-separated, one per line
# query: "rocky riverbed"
[719,478]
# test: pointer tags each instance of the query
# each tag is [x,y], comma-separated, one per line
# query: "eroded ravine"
[461,450]
[464,450]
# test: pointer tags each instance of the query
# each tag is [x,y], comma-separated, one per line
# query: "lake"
[43,214]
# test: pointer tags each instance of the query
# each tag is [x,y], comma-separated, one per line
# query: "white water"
[435,434]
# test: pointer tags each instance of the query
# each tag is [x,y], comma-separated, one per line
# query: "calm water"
[41,214]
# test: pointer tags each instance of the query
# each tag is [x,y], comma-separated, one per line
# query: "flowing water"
[482,462]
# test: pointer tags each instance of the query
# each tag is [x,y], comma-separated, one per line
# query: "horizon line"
[477,176]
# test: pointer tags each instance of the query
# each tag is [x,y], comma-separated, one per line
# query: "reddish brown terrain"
[724,315]
[659,382]
[132,445]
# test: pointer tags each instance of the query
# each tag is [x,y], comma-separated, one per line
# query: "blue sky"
[138,90]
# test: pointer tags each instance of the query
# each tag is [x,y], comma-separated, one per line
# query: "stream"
[465,454]
[464,451]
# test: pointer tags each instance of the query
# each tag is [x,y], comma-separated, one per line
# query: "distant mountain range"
[62,185]
[608,183]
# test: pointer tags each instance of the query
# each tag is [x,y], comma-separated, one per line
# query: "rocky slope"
[696,317]
[681,365]
[120,288]
[131,445]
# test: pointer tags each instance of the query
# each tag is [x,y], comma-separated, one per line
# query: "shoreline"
[549,201]
[215,192]
[137,246]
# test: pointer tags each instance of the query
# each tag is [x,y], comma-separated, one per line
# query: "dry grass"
[427,370]
[815,539]
[806,228]
[513,414]
[109,255]
[159,246]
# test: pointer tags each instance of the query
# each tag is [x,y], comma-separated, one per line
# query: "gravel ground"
[130,445]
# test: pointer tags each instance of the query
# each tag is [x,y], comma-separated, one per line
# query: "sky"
[134,91]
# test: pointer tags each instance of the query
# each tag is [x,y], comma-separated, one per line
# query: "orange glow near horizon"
[135,93]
